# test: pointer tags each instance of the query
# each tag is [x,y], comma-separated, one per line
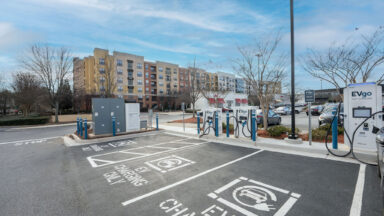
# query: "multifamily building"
[152,84]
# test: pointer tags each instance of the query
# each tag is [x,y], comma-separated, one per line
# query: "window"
[146,81]
[175,85]
[120,80]
[146,66]
[161,84]
[175,78]
[168,70]
[146,75]
[119,71]
[147,89]
[160,76]
[120,88]
[161,91]
[139,74]
[160,69]
[119,62]
[140,82]
[102,70]
[102,88]
[174,71]
[101,61]
[153,69]
[139,65]
[130,90]
[140,90]
[102,79]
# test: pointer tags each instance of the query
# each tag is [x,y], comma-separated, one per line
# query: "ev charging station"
[361,102]
[212,122]
[243,115]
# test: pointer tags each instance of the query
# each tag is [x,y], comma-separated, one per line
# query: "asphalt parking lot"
[161,174]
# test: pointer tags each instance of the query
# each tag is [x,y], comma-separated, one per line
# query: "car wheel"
[279,122]
[378,167]
[320,123]
[306,113]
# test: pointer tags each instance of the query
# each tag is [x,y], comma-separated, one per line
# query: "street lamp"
[292,135]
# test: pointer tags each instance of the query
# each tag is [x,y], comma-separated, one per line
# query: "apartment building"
[152,84]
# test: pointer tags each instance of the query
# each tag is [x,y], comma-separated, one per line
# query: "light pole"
[292,135]
[258,55]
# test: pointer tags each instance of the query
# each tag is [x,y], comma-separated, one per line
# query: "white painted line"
[185,159]
[296,195]
[186,164]
[358,195]
[94,164]
[235,207]
[159,147]
[225,187]
[153,166]
[19,141]
[212,195]
[269,186]
[286,207]
[125,203]
[129,152]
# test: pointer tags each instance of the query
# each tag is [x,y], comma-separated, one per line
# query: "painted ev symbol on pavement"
[250,197]
[169,163]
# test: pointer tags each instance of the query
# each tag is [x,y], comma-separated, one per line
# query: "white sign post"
[309,98]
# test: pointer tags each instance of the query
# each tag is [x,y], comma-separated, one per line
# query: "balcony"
[131,86]
[153,76]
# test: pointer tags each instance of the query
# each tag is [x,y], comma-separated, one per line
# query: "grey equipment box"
[103,109]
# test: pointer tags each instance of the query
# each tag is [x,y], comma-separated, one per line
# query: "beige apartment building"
[129,76]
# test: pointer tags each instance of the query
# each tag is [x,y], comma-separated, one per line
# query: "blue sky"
[177,31]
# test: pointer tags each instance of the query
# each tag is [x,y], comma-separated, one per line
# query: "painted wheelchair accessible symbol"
[253,198]
[169,163]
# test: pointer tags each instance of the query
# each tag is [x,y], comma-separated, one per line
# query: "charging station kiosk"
[243,115]
[209,124]
[361,100]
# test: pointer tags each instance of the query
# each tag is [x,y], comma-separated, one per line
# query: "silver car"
[273,118]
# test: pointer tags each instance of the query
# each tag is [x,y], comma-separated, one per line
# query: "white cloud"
[11,37]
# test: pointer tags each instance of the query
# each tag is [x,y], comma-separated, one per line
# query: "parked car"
[273,118]
[282,110]
[316,110]
[327,115]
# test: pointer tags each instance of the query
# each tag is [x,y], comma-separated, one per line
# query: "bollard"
[334,131]
[216,124]
[81,127]
[77,126]
[114,126]
[253,125]
[198,122]
[227,124]
[157,121]
[85,129]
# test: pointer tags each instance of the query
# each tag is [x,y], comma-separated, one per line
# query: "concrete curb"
[69,142]
[317,149]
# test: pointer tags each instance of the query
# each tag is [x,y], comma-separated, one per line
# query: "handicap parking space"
[172,175]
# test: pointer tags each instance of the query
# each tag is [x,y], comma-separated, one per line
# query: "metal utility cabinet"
[132,115]
[103,109]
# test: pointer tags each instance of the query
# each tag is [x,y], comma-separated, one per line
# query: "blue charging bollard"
[77,125]
[114,126]
[198,122]
[157,121]
[85,129]
[253,125]
[227,124]
[334,132]
[81,126]
[216,124]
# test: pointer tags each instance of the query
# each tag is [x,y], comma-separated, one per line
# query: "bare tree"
[52,66]
[5,96]
[349,62]
[105,78]
[27,89]
[264,74]
[192,93]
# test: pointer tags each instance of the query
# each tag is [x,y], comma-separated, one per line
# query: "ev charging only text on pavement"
[241,196]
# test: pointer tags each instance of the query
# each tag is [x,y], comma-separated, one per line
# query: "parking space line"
[30,140]
[358,195]
[225,187]
[129,152]
[159,147]
[94,165]
[125,203]
[286,207]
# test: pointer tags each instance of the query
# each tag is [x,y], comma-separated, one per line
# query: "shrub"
[231,127]
[30,120]
[340,130]
[191,110]
[318,134]
[276,131]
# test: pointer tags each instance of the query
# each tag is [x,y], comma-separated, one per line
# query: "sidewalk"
[317,149]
